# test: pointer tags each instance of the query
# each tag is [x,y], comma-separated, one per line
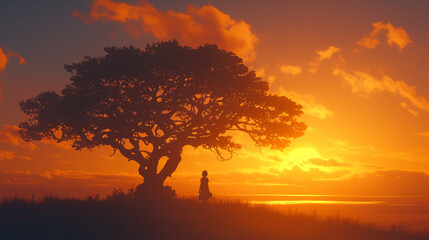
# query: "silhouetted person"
[204,191]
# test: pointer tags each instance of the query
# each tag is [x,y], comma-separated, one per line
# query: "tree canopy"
[150,103]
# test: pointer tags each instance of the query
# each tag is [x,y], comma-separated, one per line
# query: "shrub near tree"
[149,104]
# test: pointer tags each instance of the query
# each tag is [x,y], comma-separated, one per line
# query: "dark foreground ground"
[121,217]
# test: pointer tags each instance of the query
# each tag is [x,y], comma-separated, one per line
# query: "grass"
[120,216]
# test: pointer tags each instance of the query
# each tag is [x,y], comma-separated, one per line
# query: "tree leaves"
[151,103]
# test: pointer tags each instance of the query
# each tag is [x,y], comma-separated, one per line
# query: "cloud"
[363,84]
[296,175]
[409,109]
[316,181]
[9,134]
[323,55]
[368,153]
[326,163]
[4,58]
[26,158]
[63,161]
[195,27]
[66,145]
[271,79]
[327,54]
[423,134]
[308,103]
[290,69]
[251,177]
[260,72]
[74,174]
[368,42]
[395,182]
[395,36]
[6,155]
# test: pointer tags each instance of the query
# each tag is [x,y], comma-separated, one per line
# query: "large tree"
[149,104]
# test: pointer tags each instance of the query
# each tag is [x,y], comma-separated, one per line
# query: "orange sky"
[361,79]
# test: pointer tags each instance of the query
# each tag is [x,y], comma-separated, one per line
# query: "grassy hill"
[122,217]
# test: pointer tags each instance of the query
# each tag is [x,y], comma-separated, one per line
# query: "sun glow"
[300,155]
[303,154]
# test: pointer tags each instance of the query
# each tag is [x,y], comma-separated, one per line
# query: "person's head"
[205,173]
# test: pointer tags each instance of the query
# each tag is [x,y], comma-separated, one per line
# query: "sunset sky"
[358,68]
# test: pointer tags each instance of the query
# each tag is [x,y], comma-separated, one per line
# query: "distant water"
[409,211]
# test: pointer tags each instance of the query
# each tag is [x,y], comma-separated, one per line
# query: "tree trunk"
[171,165]
[152,181]
[152,185]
